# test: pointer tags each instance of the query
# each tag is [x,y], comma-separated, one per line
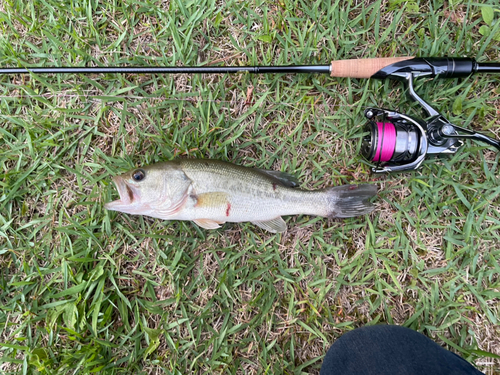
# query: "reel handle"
[469,135]
[486,139]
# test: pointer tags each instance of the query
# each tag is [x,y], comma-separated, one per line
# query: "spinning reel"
[398,142]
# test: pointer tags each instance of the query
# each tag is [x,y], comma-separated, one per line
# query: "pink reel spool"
[386,142]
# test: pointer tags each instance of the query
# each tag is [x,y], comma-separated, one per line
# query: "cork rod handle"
[362,68]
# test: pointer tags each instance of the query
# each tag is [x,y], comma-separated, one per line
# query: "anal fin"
[208,223]
[277,225]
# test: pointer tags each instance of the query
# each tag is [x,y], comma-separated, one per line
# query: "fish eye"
[138,175]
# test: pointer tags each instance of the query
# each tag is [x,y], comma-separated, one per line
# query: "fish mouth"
[128,195]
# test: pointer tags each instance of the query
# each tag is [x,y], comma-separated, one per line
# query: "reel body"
[401,143]
[398,142]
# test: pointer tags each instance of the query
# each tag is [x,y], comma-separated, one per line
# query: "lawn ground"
[84,290]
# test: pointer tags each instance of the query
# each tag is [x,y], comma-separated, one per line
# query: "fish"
[213,192]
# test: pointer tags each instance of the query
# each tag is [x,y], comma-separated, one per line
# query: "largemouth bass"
[213,192]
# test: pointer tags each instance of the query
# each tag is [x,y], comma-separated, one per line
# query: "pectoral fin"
[213,199]
[208,223]
[277,225]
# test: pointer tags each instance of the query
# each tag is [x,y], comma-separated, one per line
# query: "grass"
[84,290]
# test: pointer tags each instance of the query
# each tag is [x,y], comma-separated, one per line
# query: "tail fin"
[350,200]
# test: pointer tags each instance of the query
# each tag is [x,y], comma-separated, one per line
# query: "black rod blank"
[488,68]
[171,69]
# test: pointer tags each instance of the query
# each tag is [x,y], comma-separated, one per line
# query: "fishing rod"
[381,68]
[395,142]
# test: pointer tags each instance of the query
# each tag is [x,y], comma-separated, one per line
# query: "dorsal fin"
[283,178]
